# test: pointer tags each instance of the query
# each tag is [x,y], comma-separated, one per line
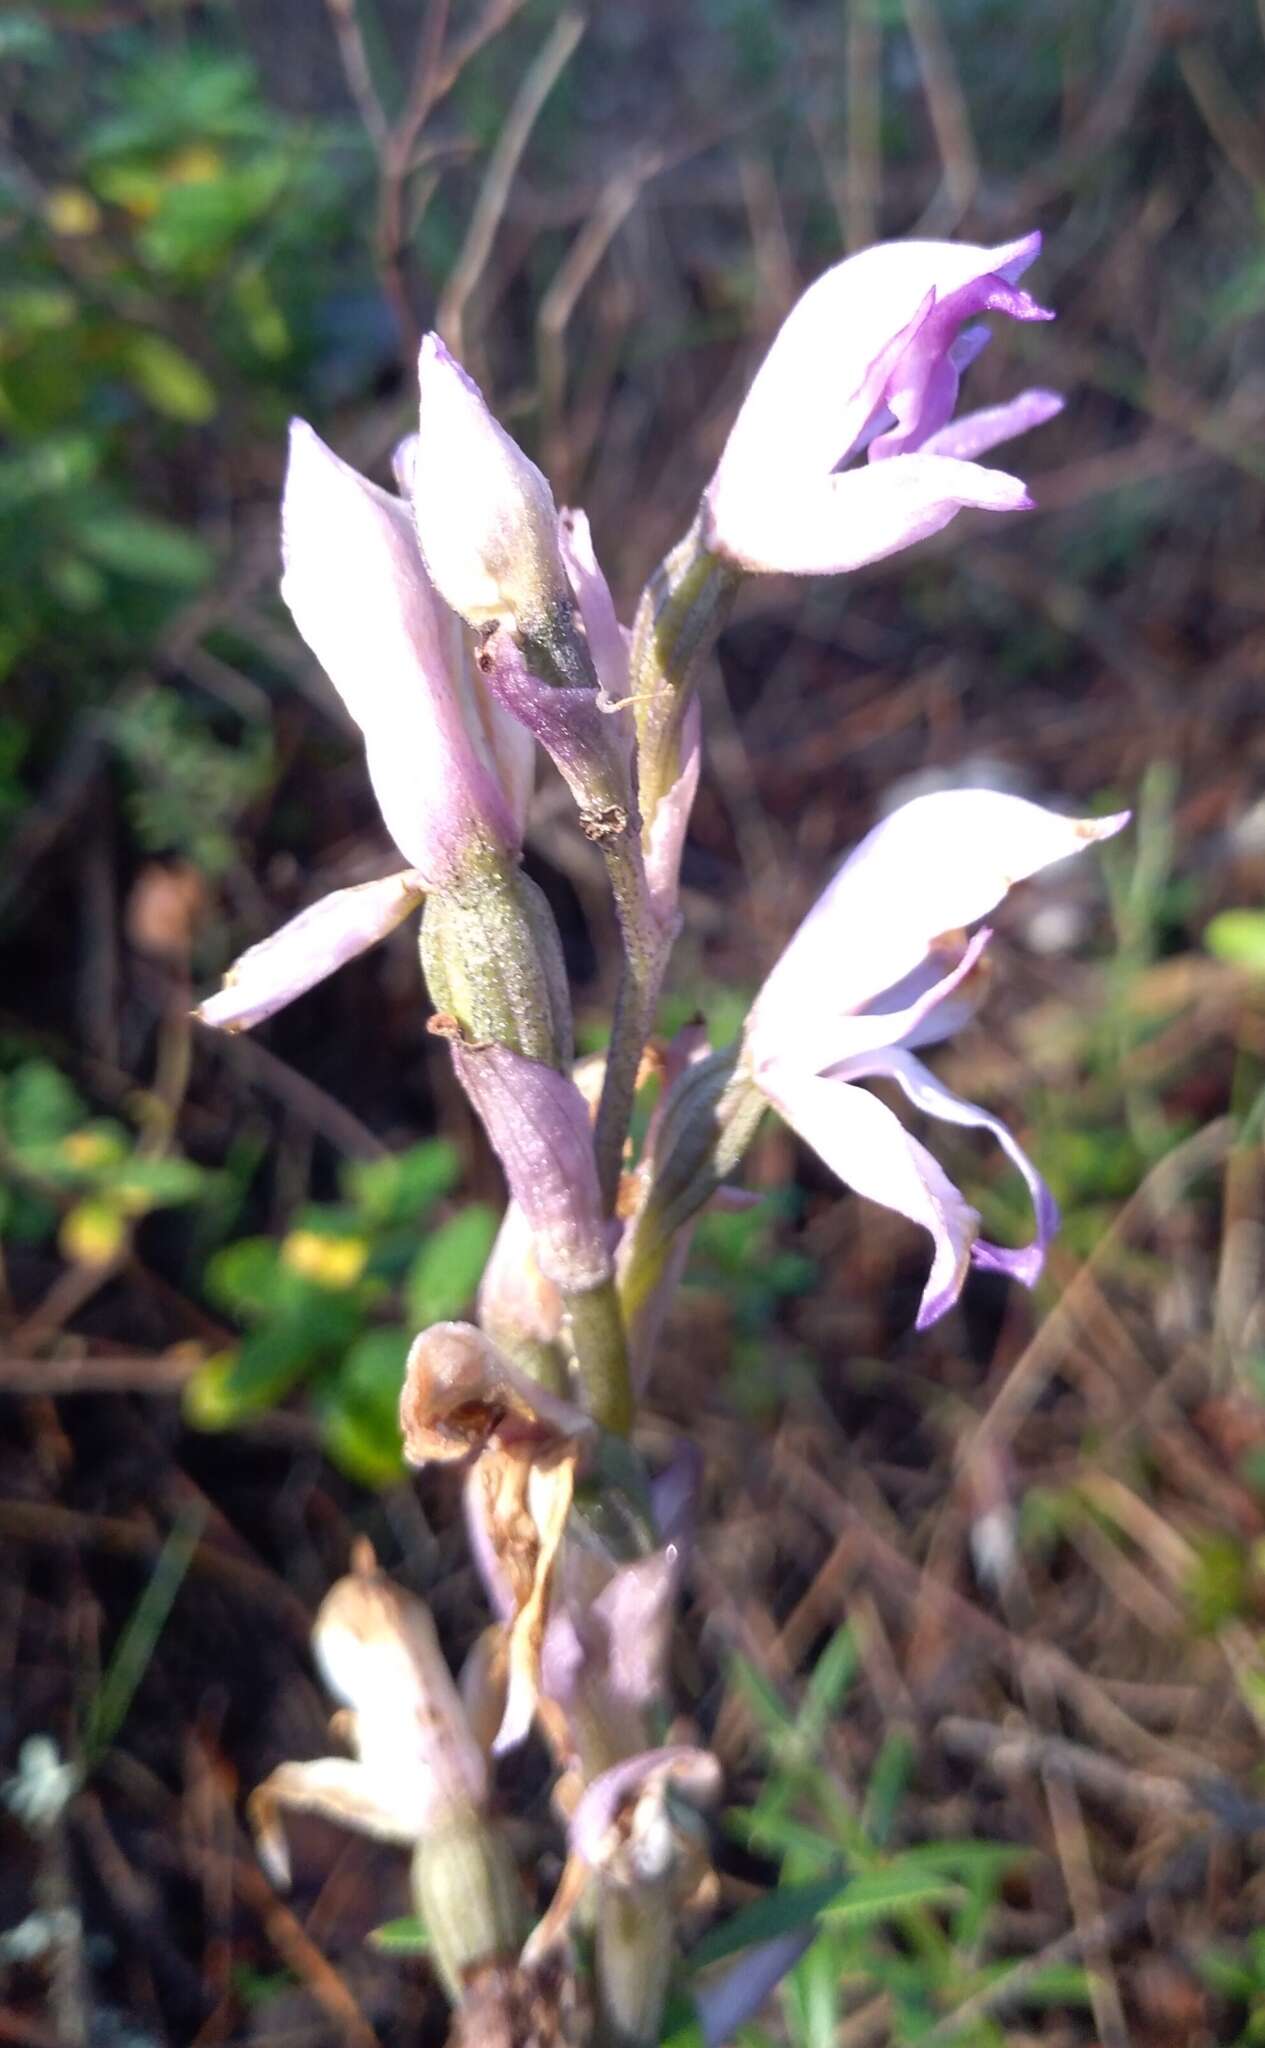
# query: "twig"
[863,174]
[66,1529]
[304,1958]
[1185,1873]
[164,1372]
[1163,1186]
[1010,1753]
[310,1103]
[950,119]
[614,205]
[541,76]
[358,71]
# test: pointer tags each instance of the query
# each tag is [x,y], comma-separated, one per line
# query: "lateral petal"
[355,583]
[928,1093]
[869,1148]
[936,865]
[826,526]
[318,941]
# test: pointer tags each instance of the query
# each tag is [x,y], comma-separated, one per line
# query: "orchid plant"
[467,626]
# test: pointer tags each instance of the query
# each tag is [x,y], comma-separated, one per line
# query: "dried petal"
[460,1392]
[526,1498]
[378,1652]
[341,1790]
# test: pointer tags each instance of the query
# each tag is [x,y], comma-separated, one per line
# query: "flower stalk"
[466,624]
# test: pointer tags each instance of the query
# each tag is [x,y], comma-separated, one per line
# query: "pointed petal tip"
[304,439]
[1093,829]
[1013,258]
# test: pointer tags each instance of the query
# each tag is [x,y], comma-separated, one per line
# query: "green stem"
[682,609]
[645,952]
[601,1355]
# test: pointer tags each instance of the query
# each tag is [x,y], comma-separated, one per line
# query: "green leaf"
[443,1277]
[136,1645]
[361,1423]
[982,1861]
[764,1830]
[403,1188]
[681,2027]
[61,464]
[1227,1974]
[169,379]
[832,1675]
[1058,1984]
[24,38]
[1238,936]
[145,1184]
[249,1379]
[888,1781]
[245,1278]
[150,550]
[360,1449]
[887,1894]
[405,1937]
[40,1104]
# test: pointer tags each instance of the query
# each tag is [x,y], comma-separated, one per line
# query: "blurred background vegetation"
[215,215]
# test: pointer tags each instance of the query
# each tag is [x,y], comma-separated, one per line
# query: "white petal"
[319,940]
[608,642]
[484,514]
[829,525]
[870,1149]
[936,865]
[827,1037]
[929,1094]
[360,596]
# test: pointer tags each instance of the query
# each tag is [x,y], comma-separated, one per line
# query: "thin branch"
[541,76]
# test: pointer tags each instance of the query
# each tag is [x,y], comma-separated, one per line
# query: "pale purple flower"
[451,771]
[869,362]
[878,967]
[604,1658]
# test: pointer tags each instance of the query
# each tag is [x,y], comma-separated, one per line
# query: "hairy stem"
[645,951]
[601,1355]
[682,609]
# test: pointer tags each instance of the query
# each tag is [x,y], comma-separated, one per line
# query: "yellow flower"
[333,1262]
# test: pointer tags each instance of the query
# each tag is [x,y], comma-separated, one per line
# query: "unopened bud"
[487,523]
[708,1120]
